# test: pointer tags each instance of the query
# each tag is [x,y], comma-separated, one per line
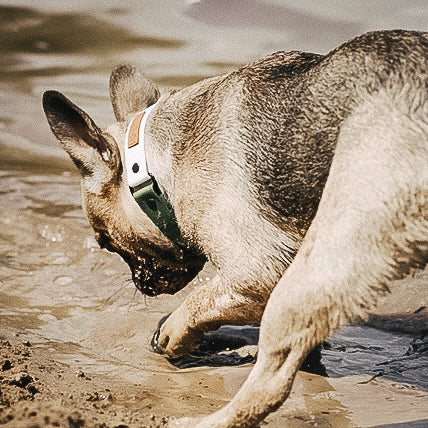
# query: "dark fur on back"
[296,143]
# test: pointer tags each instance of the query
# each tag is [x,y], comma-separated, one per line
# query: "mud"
[74,334]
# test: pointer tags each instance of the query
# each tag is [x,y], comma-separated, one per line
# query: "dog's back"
[309,96]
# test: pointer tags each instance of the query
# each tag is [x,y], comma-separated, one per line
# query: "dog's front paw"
[155,339]
[174,337]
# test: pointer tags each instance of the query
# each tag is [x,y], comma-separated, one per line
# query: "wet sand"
[63,384]
[74,334]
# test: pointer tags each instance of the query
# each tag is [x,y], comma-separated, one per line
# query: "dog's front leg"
[295,321]
[310,301]
[207,308]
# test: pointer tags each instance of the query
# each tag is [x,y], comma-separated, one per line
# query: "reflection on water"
[25,30]
[395,356]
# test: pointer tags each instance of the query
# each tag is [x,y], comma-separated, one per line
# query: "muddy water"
[55,283]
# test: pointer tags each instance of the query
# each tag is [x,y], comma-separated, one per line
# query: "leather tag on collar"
[134,131]
[135,153]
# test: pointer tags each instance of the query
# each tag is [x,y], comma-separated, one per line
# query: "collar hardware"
[159,210]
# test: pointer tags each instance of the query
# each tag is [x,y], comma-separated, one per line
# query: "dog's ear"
[80,137]
[130,91]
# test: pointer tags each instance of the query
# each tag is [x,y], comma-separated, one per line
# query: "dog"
[302,178]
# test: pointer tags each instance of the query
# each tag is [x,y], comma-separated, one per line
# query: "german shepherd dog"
[302,178]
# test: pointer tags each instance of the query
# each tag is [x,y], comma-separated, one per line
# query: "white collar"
[135,152]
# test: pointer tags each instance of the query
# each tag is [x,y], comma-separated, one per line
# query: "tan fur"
[371,227]
[244,159]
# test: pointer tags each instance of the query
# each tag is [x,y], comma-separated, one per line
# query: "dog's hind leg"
[371,228]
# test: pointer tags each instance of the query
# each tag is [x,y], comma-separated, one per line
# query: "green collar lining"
[159,210]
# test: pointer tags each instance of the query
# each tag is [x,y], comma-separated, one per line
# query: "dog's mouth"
[153,277]
[160,274]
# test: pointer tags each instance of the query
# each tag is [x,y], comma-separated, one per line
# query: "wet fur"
[245,159]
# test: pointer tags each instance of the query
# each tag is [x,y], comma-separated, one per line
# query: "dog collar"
[143,185]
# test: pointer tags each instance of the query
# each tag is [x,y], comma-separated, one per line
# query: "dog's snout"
[153,278]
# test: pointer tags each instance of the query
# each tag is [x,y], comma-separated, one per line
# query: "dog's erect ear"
[80,137]
[130,91]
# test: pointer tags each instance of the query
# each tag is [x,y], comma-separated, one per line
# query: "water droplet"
[90,243]
[52,235]
[63,280]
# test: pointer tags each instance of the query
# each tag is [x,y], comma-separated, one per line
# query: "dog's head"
[157,265]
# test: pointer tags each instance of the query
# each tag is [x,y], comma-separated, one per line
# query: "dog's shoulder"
[391,48]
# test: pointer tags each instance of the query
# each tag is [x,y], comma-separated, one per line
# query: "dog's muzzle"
[153,278]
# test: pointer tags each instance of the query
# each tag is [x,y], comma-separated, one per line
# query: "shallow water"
[55,282]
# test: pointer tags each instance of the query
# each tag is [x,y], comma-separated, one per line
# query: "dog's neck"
[159,156]
[142,182]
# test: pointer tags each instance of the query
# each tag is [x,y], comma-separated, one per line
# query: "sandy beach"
[58,384]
